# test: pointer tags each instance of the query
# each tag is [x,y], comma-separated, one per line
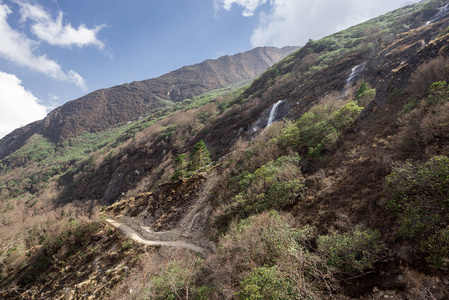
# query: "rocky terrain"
[325,178]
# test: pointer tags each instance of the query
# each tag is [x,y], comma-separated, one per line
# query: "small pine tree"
[181,166]
[199,157]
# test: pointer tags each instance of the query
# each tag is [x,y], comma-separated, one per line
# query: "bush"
[352,252]
[424,123]
[257,241]
[179,280]
[364,95]
[436,69]
[264,252]
[320,128]
[266,283]
[127,245]
[438,247]
[395,94]
[419,196]
[273,186]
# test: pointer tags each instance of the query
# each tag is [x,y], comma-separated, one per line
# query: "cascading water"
[265,119]
[355,72]
[273,113]
[442,11]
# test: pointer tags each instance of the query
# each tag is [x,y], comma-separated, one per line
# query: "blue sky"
[54,51]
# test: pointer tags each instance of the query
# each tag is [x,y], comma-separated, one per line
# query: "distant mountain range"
[105,108]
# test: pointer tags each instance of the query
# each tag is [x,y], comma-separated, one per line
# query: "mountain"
[105,108]
[324,178]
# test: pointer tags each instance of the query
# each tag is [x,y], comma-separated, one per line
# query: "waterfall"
[355,72]
[273,112]
[442,11]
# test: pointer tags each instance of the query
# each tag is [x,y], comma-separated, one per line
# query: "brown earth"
[105,108]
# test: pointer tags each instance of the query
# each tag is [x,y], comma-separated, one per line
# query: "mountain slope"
[105,108]
[346,198]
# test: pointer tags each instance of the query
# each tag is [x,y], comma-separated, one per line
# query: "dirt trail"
[188,233]
[134,235]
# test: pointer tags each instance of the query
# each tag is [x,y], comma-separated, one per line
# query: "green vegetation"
[364,95]
[419,197]
[181,279]
[363,38]
[444,32]
[127,245]
[419,194]
[273,186]
[352,252]
[181,164]
[266,283]
[263,253]
[320,128]
[425,130]
[395,95]
[438,248]
[437,94]
[199,157]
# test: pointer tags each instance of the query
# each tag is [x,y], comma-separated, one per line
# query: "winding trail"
[135,236]
[188,233]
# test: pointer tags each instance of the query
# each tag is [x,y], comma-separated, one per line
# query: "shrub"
[436,69]
[320,128]
[127,245]
[179,280]
[181,166]
[363,88]
[266,283]
[352,252]
[325,44]
[437,93]
[419,194]
[264,252]
[364,95]
[395,94]
[273,186]
[424,122]
[438,247]
[256,241]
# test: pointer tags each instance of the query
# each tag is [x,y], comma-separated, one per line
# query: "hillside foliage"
[340,195]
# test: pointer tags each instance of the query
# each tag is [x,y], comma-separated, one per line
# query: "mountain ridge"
[104,108]
[344,196]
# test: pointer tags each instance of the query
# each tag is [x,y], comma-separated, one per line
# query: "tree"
[181,166]
[199,157]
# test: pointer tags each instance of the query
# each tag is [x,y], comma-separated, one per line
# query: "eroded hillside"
[344,198]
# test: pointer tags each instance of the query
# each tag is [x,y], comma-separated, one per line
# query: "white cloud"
[294,22]
[250,6]
[16,47]
[51,30]
[53,97]
[17,106]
